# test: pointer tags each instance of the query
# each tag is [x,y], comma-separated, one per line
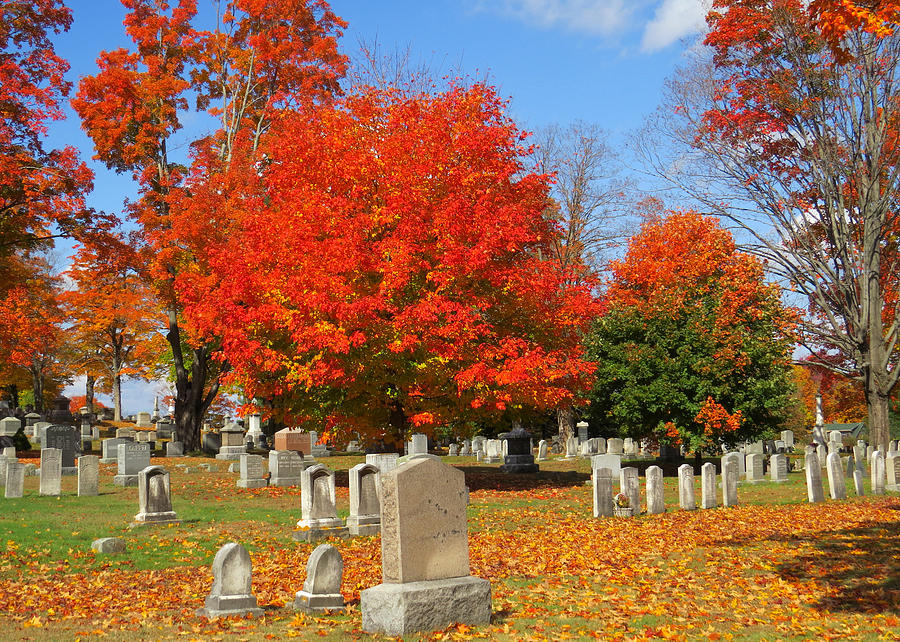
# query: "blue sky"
[600,61]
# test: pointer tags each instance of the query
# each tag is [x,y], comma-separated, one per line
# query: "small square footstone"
[424,555]
[231,592]
[108,545]
[322,588]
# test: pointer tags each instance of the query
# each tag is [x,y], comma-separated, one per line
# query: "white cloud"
[600,17]
[673,20]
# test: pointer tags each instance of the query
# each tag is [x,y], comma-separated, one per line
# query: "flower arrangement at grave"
[621,500]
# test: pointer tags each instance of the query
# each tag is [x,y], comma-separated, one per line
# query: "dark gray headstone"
[66,439]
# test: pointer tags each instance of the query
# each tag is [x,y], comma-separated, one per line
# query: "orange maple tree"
[114,322]
[387,268]
[261,56]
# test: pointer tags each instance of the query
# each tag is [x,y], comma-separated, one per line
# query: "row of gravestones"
[426,582]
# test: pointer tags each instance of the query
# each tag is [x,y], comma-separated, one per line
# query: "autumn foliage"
[388,268]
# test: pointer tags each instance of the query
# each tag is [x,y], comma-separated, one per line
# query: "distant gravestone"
[892,468]
[493,451]
[453,450]
[517,457]
[88,475]
[858,483]
[154,497]
[542,450]
[814,490]
[424,555]
[286,467]
[365,508]
[615,446]
[231,592]
[232,442]
[582,429]
[66,439]
[877,473]
[603,492]
[571,448]
[9,426]
[787,436]
[629,446]
[51,471]
[686,497]
[730,479]
[418,445]
[143,420]
[612,462]
[133,458]
[251,472]
[126,433]
[15,480]
[630,485]
[821,454]
[655,500]
[754,464]
[319,517]
[322,588]
[175,449]
[708,485]
[778,470]
[836,485]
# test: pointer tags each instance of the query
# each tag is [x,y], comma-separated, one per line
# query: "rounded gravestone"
[322,589]
[231,592]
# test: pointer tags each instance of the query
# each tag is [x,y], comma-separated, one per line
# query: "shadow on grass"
[861,567]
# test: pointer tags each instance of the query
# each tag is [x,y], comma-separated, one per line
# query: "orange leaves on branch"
[716,421]
[387,265]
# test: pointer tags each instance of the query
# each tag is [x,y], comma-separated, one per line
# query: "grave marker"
[88,475]
[686,497]
[365,508]
[322,588]
[708,485]
[655,503]
[603,492]
[51,471]
[154,497]
[231,592]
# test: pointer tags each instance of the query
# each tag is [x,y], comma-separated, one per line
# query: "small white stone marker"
[814,490]
[655,499]
[836,486]
[603,492]
[687,499]
[708,486]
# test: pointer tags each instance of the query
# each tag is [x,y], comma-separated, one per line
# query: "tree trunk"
[879,420]
[192,399]
[565,417]
[117,397]
[398,423]
[89,393]
[37,382]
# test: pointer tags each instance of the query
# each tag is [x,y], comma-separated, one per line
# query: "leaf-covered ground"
[773,567]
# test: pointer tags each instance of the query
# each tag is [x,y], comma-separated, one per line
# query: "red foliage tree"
[386,268]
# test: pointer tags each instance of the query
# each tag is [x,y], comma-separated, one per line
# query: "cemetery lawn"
[772,568]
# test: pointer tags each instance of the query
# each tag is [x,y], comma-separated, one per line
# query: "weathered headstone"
[787,436]
[629,447]
[126,433]
[836,485]
[251,472]
[232,591]
[603,492]
[778,470]
[858,483]
[154,497]
[8,456]
[615,446]
[286,467]
[322,588]
[143,420]
[730,479]
[319,517]
[630,485]
[877,473]
[814,490]
[133,458]
[424,555]
[175,449]
[581,429]
[365,508]
[9,426]
[655,500]
[453,450]
[612,462]
[822,454]
[571,448]
[708,485]
[542,450]
[64,438]
[687,499]
[418,445]
[892,468]
[601,446]
[88,475]
[51,471]
[384,462]
[754,463]
[14,479]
